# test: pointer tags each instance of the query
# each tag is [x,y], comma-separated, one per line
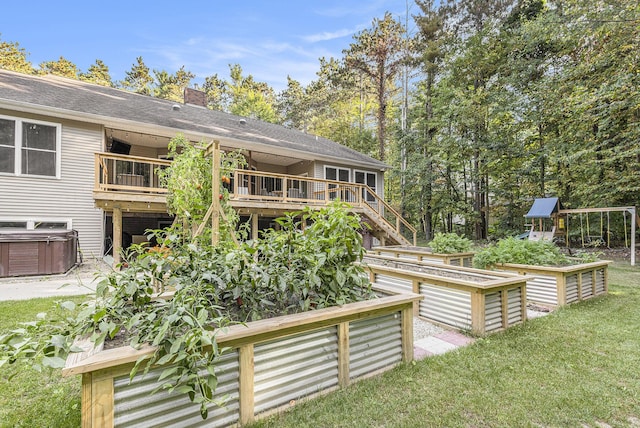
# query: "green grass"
[29,398]
[579,366]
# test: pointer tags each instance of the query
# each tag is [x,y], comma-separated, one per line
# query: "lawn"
[28,398]
[576,367]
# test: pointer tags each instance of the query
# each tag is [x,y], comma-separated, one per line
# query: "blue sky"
[270,39]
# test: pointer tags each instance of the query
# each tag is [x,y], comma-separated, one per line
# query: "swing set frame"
[563,214]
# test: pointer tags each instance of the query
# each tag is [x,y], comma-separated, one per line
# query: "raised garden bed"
[424,254]
[270,364]
[461,298]
[561,285]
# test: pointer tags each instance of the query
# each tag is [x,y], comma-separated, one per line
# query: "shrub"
[587,257]
[512,250]
[449,243]
[293,269]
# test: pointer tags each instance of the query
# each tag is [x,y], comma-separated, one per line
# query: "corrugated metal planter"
[557,286]
[461,298]
[273,362]
[423,254]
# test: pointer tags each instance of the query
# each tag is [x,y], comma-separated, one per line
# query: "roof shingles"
[84,99]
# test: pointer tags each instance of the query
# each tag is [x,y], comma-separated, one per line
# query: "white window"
[7,145]
[335,173]
[35,224]
[29,147]
[368,178]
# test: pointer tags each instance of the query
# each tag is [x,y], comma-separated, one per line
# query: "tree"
[250,98]
[13,57]
[378,53]
[214,88]
[338,107]
[429,48]
[600,113]
[241,95]
[62,67]
[520,99]
[98,73]
[293,105]
[523,129]
[172,86]
[472,66]
[138,79]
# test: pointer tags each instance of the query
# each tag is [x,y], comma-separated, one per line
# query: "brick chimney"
[195,97]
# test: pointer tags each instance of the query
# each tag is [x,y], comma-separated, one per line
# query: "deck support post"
[254,226]
[117,235]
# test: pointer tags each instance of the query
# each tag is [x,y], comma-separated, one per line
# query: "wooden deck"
[130,183]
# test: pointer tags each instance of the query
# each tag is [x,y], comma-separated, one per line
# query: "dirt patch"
[538,308]
[604,253]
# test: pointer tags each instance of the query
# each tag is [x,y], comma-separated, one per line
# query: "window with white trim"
[335,173]
[29,147]
[7,145]
[35,224]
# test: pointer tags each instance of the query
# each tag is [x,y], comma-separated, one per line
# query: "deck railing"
[272,187]
[128,173]
[134,174]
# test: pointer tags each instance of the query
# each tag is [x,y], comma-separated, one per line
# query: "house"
[75,155]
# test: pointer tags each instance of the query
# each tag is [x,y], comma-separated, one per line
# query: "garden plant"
[526,252]
[449,243]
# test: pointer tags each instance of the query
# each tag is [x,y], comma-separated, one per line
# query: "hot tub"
[37,252]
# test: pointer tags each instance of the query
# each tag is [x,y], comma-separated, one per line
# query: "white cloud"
[268,61]
[326,35]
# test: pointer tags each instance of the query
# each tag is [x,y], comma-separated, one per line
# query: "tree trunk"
[542,163]
[480,196]
[382,113]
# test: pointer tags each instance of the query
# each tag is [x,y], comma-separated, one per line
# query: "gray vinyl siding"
[301,168]
[69,197]
[145,152]
[267,167]
[318,170]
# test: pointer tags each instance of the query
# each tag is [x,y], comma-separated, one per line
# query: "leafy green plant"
[449,243]
[188,181]
[286,271]
[587,256]
[295,269]
[520,251]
